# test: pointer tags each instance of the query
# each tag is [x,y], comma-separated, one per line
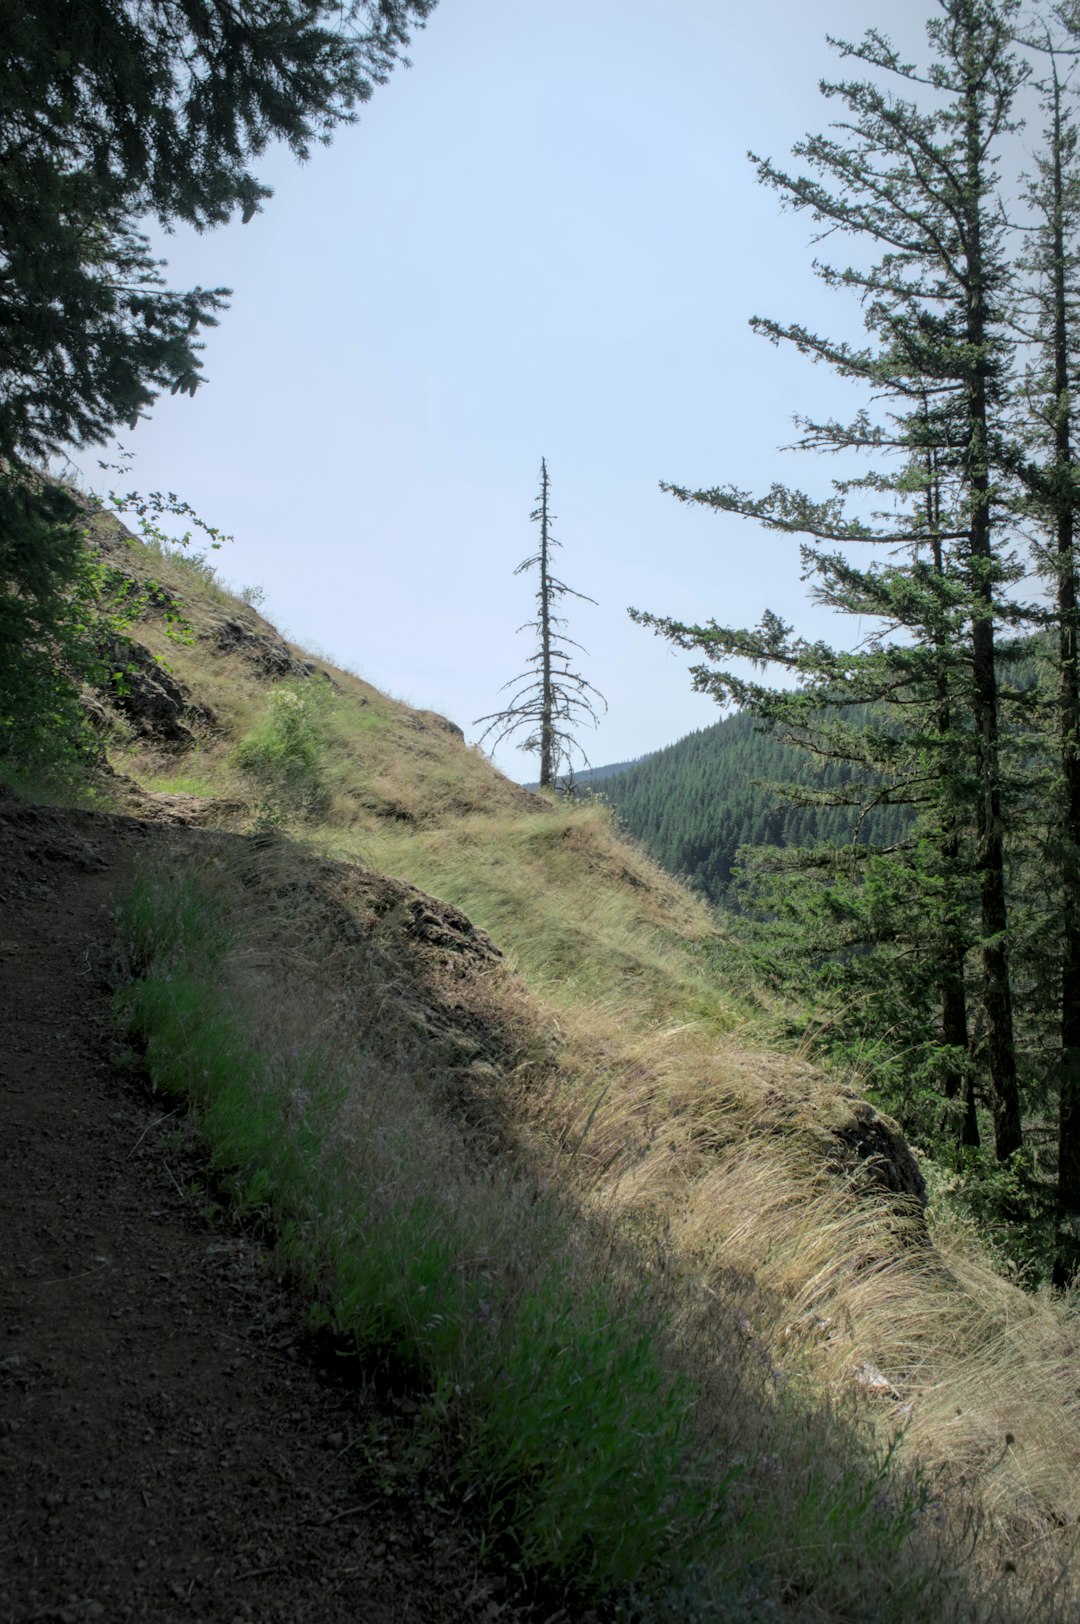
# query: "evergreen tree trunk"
[1068,1210]
[1068,1204]
[1069,1103]
[989,825]
[955,1034]
[954,1015]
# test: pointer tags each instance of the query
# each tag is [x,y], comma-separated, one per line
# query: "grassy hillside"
[582,1154]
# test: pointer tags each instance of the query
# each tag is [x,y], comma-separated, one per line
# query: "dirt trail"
[167,1450]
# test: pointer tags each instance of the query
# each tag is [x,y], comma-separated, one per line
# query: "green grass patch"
[570,1431]
[575,1389]
[182,784]
[540,887]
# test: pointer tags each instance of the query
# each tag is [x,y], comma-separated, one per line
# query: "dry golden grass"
[809,1310]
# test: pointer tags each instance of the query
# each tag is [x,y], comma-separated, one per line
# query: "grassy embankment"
[695,1219]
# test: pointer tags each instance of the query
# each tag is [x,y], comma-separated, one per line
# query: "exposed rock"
[381,806]
[145,597]
[132,586]
[853,1141]
[151,698]
[873,1145]
[256,641]
[424,919]
[96,709]
[873,1380]
[189,811]
[433,719]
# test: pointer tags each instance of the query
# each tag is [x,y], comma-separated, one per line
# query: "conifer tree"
[917,185]
[550,699]
[170,100]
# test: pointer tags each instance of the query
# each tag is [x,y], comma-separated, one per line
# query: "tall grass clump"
[684,1119]
[466,1279]
[576,1384]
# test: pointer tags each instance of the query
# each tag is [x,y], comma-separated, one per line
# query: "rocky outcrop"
[151,698]
[432,718]
[179,809]
[255,641]
[424,920]
[851,1140]
[232,629]
[881,1153]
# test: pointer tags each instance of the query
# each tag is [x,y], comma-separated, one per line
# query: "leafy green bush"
[283,755]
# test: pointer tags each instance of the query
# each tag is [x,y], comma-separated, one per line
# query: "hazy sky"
[544,239]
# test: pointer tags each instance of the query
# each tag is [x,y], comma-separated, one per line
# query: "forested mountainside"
[693,804]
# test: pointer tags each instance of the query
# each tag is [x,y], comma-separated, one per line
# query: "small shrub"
[196,564]
[283,755]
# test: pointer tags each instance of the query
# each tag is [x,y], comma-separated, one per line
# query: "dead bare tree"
[550,698]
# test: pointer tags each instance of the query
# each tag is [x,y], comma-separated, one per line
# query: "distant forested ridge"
[693,804]
[593,775]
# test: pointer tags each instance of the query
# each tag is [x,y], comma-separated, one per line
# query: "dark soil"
[168,1448]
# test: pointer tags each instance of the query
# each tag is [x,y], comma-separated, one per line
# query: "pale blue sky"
[543,240]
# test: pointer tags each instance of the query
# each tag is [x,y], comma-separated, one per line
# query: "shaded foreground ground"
[168,1449]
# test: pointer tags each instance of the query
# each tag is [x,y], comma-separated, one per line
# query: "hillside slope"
[695,803]
[796,1271]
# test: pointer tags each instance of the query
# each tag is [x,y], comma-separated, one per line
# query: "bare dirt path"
[167,1449]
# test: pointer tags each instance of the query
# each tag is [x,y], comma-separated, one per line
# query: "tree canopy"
[168,101]
[112,112]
